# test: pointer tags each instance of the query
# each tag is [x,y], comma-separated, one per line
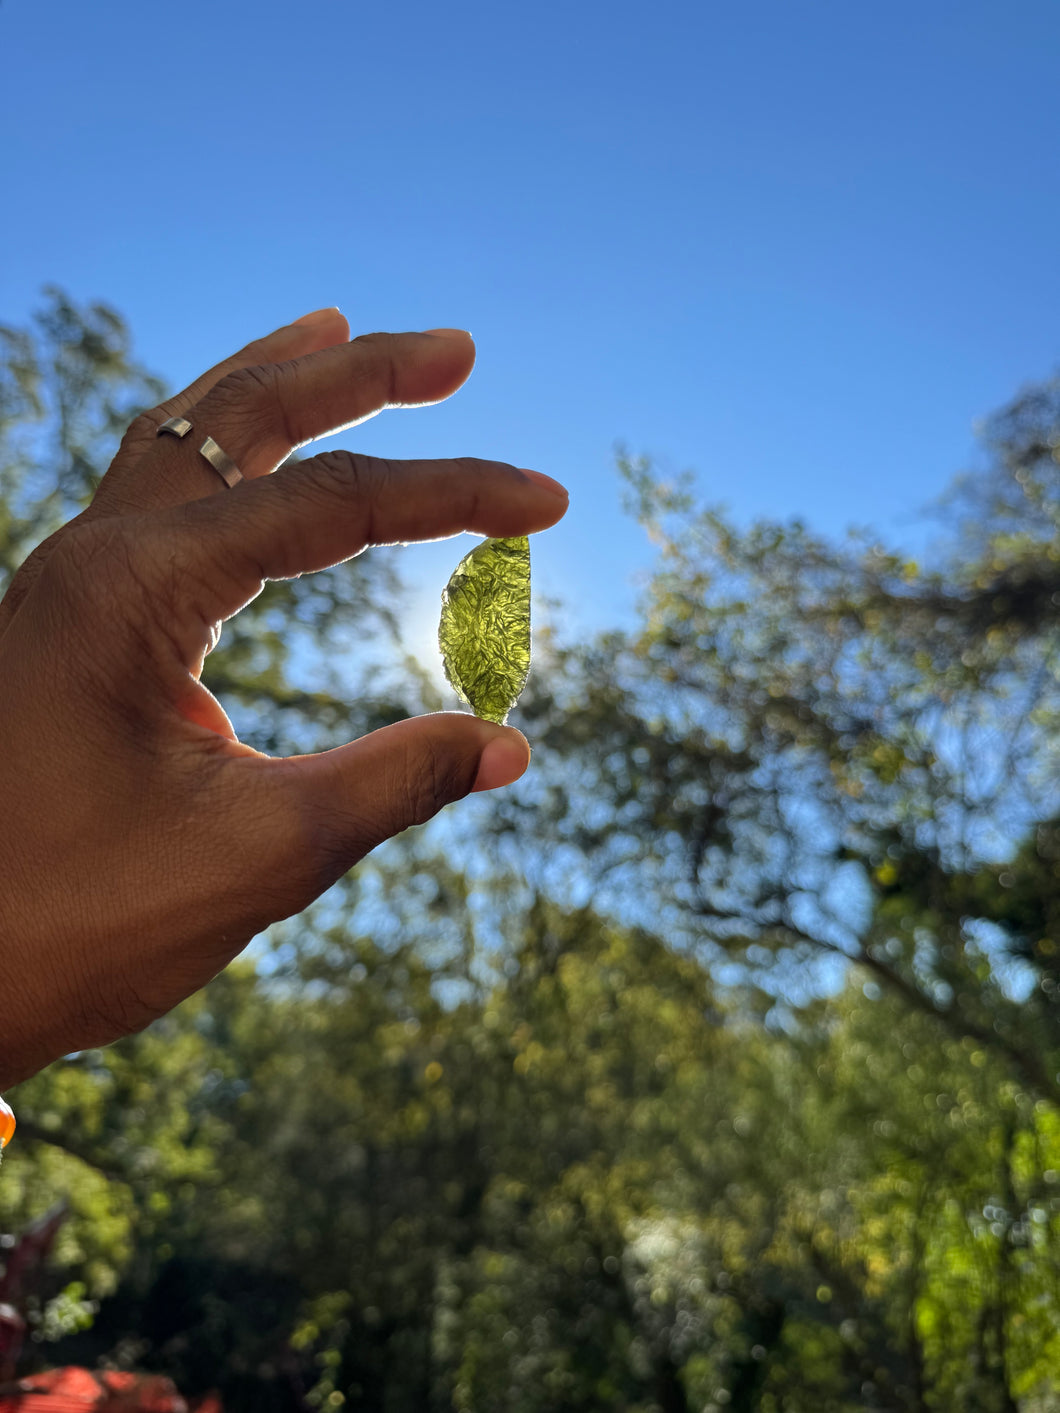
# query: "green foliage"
[592,1182]
[68,388]
[722,1076]
[807,755]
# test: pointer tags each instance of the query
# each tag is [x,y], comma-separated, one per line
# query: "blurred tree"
[809,757]
[587,1183]
[732,1087]
[69,386]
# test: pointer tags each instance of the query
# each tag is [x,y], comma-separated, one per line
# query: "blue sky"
[798,248]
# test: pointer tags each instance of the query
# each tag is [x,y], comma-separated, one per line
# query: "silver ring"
[221,462]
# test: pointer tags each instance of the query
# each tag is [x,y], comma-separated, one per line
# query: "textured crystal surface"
[484,633]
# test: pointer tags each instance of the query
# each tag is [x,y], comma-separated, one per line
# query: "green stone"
[484,633]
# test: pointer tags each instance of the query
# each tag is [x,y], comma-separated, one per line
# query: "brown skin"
[141,845]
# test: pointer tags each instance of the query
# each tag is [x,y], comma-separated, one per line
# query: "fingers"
[327,509]
[352,798]
[322,329]
[259,414]
[125,488]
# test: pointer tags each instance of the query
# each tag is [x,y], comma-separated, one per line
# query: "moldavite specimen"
[484,633]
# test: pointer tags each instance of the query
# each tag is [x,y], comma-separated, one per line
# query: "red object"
[76,1390]
[12,1333]
[23,1260]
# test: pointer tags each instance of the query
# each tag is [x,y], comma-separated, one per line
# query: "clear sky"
[797,247]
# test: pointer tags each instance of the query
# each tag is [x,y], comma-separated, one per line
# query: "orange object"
[77,1390]
[7,1124]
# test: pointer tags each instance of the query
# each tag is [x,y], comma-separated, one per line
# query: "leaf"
[484,633]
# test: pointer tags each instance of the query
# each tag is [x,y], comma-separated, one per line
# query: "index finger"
[327,509]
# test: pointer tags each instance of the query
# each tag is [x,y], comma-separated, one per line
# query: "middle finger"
[123,490]
[259,415]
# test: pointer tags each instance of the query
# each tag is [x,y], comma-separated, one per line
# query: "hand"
[141,844]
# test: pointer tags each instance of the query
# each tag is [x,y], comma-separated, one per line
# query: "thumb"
[358,795]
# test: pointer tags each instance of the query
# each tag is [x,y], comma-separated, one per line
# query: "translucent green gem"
[484,633]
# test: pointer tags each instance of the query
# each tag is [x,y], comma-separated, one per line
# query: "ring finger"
[124,489]
[256,416]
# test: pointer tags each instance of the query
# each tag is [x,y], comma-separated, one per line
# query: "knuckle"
[425,779]
[378,370]
[142,430]
[250,404]
[471,477]
[93,558]
[250,387]
[348,473]
[357,480]
[26,576]
[93,601]
[38,556]
[319,845]
[109,572]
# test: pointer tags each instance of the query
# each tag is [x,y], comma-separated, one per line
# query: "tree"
[715,1069]
[809,757]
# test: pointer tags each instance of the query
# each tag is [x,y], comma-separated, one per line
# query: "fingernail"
[546,482]
[504,759]
[449,333]
[318,315]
